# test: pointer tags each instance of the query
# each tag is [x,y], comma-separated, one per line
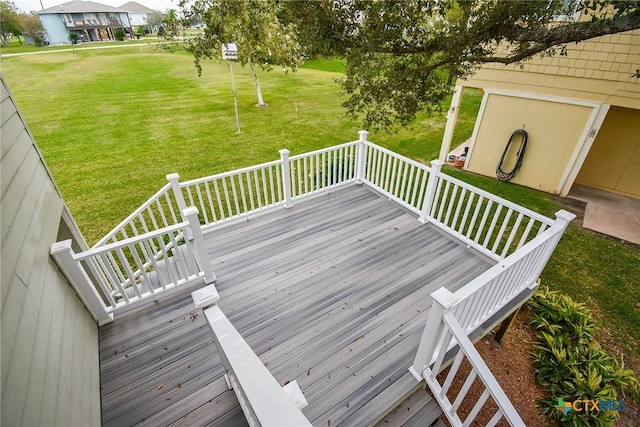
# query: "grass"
[112,123]
[15,47]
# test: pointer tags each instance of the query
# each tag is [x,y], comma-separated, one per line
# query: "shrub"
[571,365]
[119,34]
[74,37]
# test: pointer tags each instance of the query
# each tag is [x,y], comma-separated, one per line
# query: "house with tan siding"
[581,112]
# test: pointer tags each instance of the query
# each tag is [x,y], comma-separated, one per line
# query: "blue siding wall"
[56,31]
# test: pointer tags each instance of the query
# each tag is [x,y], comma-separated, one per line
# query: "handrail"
[475,302]
[456,334]
[138,215]
[116,275]
[261,398]
[489,223]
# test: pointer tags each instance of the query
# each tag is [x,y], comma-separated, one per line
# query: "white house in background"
[138,13]
[91,21]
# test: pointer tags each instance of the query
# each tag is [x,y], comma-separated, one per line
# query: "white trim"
[452,117]
[588,136]
[541,97]
[476,128]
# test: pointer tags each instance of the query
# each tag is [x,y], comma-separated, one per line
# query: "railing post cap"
[284,151]
[444,297]
[437,162]
[191,210]
[565,215]
[63,246]
[363,134]
[173,176]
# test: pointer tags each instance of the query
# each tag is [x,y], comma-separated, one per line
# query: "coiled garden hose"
[507,176]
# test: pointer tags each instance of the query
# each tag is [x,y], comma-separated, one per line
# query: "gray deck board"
[333,293]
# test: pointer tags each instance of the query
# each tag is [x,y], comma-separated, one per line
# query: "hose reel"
[507,176]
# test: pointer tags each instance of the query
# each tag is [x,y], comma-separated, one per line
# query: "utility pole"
[230,53]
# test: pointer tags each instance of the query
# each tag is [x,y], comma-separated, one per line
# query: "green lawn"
[112,123]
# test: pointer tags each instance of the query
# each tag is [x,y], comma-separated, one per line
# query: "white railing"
[322,169]
[234,194]
[454,333]
[400,178]
[491,224]
[160,210]
[261,398]
[476,302]
[116,275]
[160,246]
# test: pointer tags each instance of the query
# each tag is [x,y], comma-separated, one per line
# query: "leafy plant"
[119,34]
[570,364]
[74,37]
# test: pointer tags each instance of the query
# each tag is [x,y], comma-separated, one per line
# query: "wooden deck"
[333,293]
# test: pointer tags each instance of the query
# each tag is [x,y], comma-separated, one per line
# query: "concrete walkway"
[71,49]
[609,213]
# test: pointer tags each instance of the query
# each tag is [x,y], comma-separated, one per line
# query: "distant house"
[89,20]
[581,112]
[138,13]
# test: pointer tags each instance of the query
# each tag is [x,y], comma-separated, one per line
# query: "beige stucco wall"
[613,163]
[595,70]
[554,130]
[49,352]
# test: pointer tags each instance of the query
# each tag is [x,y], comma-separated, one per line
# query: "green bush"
[74,38]
[572,366]
[119,34]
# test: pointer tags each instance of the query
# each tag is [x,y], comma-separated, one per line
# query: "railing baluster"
[234,193]
[514,231]
[271,189]
[526,232]
[494,220]
[216,189]
[503,227]
[487,209]
[452,201]
[225,192]
[212,209]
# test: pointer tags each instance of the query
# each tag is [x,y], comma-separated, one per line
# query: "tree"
[9,22]
[32,26]
[155,20]
[402,56]
[119,34]
[255,27]
[172,22]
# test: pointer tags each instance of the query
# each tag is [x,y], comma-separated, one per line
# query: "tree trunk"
[261,102]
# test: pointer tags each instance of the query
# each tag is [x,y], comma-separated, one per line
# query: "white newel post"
[286,177]
[563,218]
[443,300]
[430,194]
[74,272]
[174,180]
[361,156]
[191,216]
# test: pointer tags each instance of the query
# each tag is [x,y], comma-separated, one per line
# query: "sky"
[161,5]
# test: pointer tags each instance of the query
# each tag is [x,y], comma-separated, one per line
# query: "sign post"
[229,54]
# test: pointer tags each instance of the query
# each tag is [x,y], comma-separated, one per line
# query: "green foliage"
[403,56]
[119,34]
[74,37]
[32,26]
[570,364]
[262,38]
[9,21]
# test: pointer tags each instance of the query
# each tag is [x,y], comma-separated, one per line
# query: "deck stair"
[419,409]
